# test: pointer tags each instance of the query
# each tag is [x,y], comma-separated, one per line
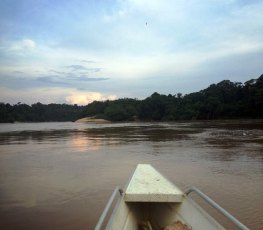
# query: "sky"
[78,51]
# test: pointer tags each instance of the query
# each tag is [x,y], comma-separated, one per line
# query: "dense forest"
[39,112]
[225,100]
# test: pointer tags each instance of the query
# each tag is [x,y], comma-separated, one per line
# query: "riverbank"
[92,120]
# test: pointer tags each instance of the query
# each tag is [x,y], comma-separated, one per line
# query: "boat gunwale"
[185,198]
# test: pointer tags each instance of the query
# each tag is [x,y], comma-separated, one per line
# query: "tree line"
[224,100]
[39,112]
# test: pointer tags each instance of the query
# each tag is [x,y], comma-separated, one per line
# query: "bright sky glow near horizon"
[55,51]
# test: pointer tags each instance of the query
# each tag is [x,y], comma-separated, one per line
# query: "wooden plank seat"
[148,185]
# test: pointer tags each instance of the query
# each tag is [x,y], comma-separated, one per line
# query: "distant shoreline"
[224,100]
[92,120]
[104,121]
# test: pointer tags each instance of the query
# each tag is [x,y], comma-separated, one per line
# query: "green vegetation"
[125,109]
[225,100]
[39,112]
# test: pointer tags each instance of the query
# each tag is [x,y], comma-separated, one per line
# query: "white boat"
[150,201]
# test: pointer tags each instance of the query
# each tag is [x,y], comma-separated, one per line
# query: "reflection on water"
[60,175]
[82,143]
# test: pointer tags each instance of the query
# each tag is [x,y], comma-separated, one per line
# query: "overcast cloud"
[85,50]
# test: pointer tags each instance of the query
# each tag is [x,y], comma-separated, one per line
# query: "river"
[60,175]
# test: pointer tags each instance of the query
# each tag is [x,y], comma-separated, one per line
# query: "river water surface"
[60,175]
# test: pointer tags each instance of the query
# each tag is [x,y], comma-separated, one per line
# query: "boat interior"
[152,202]
[183,215]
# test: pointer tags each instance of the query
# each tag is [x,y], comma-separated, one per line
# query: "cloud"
[72,77]
[87,61]
[44,95]
[19,80]
[26,44]
[51,81]
[236,67]
[86,78]
[84,98]
[83,68]
[186,44]
[57,72]
[76,67]
[94,70]
[18,72]
[48,95]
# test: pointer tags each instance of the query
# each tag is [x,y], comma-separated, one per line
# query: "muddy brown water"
[60,175]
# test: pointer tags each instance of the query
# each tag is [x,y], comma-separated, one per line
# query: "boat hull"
[128,216]
[151,201]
